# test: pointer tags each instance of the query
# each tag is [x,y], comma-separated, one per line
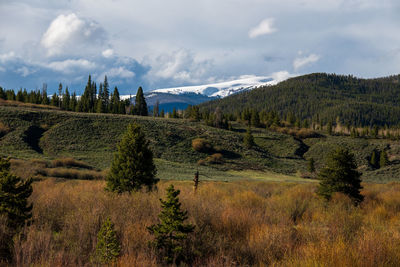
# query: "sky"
[160,44]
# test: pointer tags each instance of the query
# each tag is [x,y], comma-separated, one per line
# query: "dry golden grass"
[238,223]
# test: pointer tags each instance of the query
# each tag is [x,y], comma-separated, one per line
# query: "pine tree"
[156,109]
[14,194]
[255,118]
[107,247]
[140,103]
[248,138]
[171,232]
[340,175]
[374,159]
[133,165]
[329,128]
[106,92]
[311,167]
[115,101]
[383,159]
[66,99]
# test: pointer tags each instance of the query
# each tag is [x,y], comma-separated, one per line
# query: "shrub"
[3,129]
[215,158]
[72,174]
[201,145]
[70,162]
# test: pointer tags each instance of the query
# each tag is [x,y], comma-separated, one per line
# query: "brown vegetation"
[201,145]
[238,223]
[301,133]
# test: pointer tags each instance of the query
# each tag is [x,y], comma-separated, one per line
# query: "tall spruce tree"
[340,175]
[248,138]
[14,206]
[383,159]
[140,103]
[171,232]
[133,165]
[311,165]
[107,247]
[374,159]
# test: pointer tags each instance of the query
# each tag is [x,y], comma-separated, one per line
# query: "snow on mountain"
[222,89]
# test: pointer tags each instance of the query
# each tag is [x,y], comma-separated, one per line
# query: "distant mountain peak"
[222,89]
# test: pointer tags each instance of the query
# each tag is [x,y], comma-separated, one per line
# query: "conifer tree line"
[95,99]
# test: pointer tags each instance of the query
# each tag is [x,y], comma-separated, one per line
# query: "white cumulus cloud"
[180,66]
[304,61]
[265,27]
[120,72]
[108,53]
[70,65]
[68,33]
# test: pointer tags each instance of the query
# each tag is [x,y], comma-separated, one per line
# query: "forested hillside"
[323,98]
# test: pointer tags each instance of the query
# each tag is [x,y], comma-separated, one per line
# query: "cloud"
[7,57]
[71,65]
[304,61]
[265,27]
[68,33]
[107,53]
[120,72]
[179,67]
[25,71]
[281,76]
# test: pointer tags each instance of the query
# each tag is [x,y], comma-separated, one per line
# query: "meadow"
[253,207]
[241,223]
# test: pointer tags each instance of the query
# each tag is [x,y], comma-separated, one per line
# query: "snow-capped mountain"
[181,97]
[221,89]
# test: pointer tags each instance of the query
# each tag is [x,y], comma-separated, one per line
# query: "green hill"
[323,97]
[39,135]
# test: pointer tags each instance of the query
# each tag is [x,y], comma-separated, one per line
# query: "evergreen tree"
[171,232]
[140,103]
[374,159]
[255,118]
[66,99]
[60,88]
[248,138]
[329,128]
[133,165]
[383,159]
[340,175]
[14,194]
[162,113]
[311,165]
[156,109]
[107,247]
[115,101]
[174,114]
[106,92]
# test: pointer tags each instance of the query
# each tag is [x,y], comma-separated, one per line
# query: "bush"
[201,145]
[70,162]
[3,129]
[72,174]
[215,158]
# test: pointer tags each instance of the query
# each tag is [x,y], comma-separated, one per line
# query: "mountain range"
[181,97]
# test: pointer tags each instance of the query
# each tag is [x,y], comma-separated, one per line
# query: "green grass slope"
[51,134]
